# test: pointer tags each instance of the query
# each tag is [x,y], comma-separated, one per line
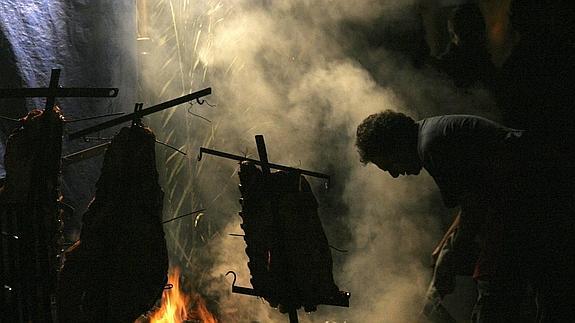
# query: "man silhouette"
[514,195]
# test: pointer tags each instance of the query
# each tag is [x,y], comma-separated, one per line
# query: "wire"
[202,101]
[337,249]
[95,117]
[170,146]
[88,139]
[9,119]
[181,216]
[197,115]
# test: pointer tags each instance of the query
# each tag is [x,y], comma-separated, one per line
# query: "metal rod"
[181,216]
[84,154]
[137,120]
[95,117]
[141,113]
[246,291]
[263,153]
[54,79]
[257,162]
[69,92]
[9,119]
[170,146]
[293,316]
[342,300]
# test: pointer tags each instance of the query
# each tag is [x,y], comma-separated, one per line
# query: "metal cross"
[263,161]
[54,90]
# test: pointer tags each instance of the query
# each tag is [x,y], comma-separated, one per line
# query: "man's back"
[467,154]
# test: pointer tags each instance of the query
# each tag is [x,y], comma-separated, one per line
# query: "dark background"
[94,43]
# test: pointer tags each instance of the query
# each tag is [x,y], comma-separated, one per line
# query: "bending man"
[510,194]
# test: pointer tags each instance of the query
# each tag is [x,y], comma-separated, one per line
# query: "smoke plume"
[304,74]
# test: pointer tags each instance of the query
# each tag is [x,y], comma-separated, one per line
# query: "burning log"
[119,267]
[30,218]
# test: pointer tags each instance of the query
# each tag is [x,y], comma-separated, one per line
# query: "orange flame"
[201,312]
[176,304]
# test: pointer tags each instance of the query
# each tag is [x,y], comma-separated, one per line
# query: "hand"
[433,309]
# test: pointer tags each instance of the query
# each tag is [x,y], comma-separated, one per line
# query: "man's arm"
[446,238]
[472,217]
[454,255]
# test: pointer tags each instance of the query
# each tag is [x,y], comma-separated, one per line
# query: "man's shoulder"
[448,135]
[430,139]
[457,120]
[434,130]
[458,126]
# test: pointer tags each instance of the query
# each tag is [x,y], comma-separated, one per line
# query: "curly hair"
[379,133]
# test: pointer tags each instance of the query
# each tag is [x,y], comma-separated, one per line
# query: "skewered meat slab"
[289,256]
[119,267]
[30,220]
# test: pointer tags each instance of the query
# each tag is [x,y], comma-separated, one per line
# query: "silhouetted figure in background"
[513,194]
[466,60]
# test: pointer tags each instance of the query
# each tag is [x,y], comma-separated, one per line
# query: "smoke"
[303,74]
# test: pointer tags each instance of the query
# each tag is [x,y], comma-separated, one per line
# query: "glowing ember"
[178,307]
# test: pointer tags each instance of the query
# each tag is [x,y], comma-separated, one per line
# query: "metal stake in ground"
[263,154]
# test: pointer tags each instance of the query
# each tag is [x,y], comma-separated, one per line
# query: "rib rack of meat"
[30,219]
[119,267]
[289,256]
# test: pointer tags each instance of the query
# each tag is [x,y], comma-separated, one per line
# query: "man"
[504,184]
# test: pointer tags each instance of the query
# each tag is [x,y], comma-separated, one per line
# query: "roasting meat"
[119,267]
[289,256]
[30,219]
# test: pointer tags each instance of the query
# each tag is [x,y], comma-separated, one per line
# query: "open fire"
[178,306]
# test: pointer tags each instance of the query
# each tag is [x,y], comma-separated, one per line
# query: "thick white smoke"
[290,70]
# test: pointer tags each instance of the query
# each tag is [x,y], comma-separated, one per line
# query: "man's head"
[388,139]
